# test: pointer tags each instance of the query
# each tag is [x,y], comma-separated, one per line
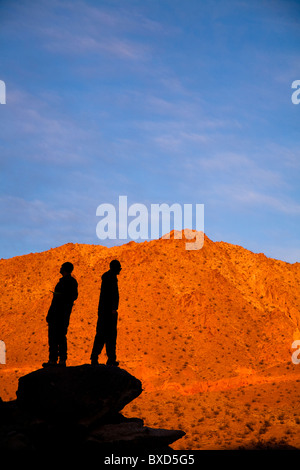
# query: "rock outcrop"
[76,409]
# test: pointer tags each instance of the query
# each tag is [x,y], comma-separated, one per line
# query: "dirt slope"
[193,326]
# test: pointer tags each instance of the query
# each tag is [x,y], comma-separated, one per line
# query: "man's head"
[115,266]
[66,268]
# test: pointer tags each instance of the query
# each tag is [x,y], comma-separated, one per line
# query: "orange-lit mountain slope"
[189,321]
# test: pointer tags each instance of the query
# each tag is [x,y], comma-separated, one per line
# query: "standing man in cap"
[64,295]
[106,332]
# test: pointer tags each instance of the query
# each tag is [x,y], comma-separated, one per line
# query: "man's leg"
[111,340]
[98,341]
[53,342]
[62,343]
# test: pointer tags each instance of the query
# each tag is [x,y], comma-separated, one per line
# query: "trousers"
[57,339]
[106,334]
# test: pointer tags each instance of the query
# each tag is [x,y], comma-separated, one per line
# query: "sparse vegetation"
[209,341]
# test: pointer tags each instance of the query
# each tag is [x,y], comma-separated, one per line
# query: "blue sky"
[164,101]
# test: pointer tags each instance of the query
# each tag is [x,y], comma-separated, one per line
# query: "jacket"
[109,294]
[64,295]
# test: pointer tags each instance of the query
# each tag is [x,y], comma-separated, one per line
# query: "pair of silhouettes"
[58,317]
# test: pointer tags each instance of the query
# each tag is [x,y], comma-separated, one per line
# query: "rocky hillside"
[189,321]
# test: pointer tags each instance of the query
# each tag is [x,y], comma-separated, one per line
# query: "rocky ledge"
[78,408]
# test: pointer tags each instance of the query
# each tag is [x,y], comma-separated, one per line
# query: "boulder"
[79,392]
[131,435]
[73,409]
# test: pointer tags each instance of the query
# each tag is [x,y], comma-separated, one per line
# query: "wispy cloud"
[66,42]
[241,166]
[32,211]
[52,136]
[254,198]
[98,30]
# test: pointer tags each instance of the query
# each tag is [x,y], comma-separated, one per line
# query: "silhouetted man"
[64,295]
[106,332]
